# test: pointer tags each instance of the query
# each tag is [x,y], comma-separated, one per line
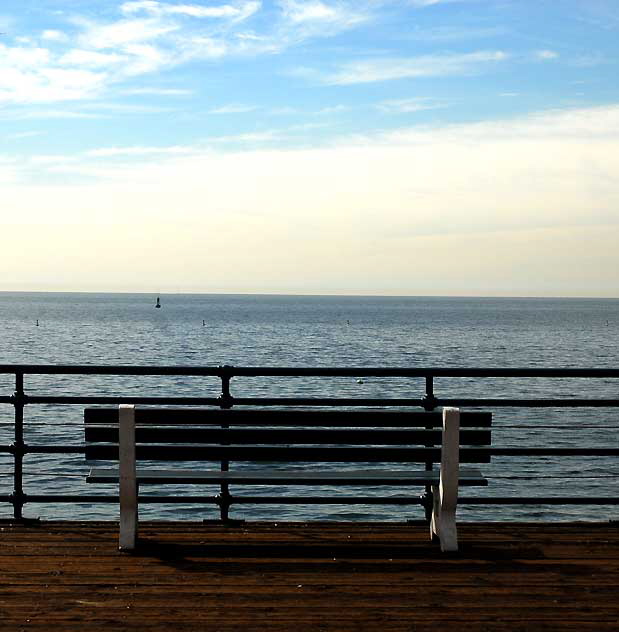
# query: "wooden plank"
[196,434]
[285,477]
[276,417]
[292,454]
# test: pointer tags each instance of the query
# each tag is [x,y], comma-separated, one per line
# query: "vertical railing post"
[18,447]
[225,403]
[429,404]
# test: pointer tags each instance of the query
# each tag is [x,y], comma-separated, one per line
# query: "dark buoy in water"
[203,323]
[360,381]
[37,322]
[158,303]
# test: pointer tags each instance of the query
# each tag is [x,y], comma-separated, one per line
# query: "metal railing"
[20,399]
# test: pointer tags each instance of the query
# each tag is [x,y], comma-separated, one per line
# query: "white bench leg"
[443,523]
[127,481]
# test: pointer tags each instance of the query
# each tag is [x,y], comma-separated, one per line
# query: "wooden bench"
[256,441]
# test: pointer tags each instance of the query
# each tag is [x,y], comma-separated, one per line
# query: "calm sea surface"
[210,330]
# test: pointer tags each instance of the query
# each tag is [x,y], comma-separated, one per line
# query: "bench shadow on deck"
[319,576]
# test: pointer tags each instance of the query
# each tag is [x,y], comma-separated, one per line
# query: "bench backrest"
[293,436]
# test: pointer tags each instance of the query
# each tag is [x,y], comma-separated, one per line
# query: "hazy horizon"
[163,294]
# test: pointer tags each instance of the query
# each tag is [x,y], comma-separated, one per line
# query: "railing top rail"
[221,371]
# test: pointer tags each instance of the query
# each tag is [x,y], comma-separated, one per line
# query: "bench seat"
[467,477]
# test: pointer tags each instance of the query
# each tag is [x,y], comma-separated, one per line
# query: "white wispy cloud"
[407,106]
[112,152]
[309,11]
[546,54]
[19,135]
[121,33]
[233,108]
[265,136]
[423,3]
[236,11]
[30,114]
[333,109]
[390,68]
[165,92]
[92,54]
[104,107]
[302,19]
[31,75]
[568,124]
[420,4]
[453,33]
[91,59]
[53,35]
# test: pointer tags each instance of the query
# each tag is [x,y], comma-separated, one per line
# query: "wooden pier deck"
[68,576]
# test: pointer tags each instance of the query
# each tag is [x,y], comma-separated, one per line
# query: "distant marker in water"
[203,323]
[348,322]
[360,381]
[37,322]
[158,303]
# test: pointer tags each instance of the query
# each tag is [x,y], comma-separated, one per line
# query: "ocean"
[315,331]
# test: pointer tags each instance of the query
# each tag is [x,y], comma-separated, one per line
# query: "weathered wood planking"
[301,577]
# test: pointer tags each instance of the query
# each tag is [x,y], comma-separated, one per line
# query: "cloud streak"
[393,68]
[408,106]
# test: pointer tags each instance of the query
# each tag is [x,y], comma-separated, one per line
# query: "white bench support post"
[128,488]
[443,523]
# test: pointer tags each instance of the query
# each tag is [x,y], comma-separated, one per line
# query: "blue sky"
[97,95]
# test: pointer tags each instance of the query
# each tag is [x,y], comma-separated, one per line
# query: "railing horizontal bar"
[326,401]
[107,399]
[473,452]
[219,371]
[326,500]
[541,500]
[411,500]
[120,369]
[404,500]
[530,403]
[90,498]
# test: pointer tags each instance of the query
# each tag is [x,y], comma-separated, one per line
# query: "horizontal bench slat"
[151,434]
[285,454]
[287,477]
[276,417]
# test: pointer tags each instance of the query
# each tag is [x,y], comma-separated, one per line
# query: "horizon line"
[314,295]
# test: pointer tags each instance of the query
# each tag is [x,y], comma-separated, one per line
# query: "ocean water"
[248,330]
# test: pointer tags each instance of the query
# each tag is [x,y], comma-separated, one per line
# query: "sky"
[376,147]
